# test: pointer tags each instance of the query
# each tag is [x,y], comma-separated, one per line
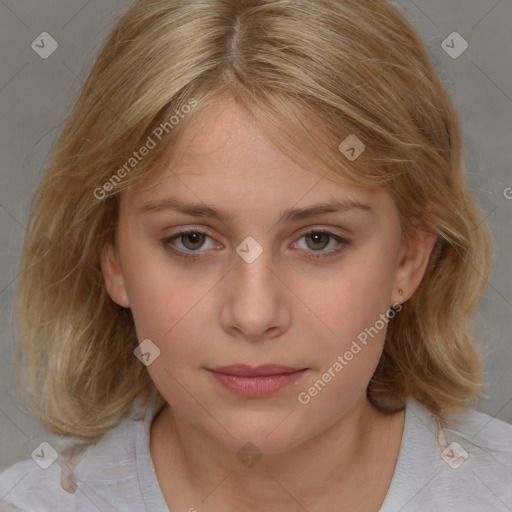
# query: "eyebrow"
[290,214]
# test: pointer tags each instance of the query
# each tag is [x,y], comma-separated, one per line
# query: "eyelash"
[322,255]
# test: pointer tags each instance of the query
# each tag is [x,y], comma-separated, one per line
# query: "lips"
[256,382]
[245,370]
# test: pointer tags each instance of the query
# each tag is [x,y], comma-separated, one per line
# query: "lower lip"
[261,385]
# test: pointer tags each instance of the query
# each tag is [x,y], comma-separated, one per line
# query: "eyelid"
[322,229]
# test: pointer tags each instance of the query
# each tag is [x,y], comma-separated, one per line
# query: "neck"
[361,445]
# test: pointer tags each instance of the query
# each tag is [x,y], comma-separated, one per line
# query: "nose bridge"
[254,269]
[256,302]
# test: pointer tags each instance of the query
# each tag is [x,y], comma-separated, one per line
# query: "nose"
[256,301]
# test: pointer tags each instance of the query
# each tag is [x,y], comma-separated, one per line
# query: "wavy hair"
[311,73]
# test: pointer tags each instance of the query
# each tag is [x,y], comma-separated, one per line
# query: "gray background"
[36,93]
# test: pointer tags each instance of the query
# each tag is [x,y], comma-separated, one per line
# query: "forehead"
[225,137]
[224,155]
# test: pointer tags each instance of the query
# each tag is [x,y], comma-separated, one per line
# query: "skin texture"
[282,308]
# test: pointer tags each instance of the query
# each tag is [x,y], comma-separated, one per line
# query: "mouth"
[256,381]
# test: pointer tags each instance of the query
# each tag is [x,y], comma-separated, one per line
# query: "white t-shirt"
[465,468]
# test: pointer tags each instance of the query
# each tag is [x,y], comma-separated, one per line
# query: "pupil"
[194,238]
[317,238]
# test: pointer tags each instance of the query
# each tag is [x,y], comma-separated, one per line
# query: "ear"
[113,275]
[413,261]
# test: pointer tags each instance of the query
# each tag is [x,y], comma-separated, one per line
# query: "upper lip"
[246,370]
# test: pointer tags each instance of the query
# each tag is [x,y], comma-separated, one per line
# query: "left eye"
[319,240]
[316,242]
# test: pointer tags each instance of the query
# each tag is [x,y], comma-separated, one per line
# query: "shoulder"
[78,476]
[462,464]
[488,439]
[26,486]
[64,477]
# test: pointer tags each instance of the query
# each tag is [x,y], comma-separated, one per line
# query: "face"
[261,278]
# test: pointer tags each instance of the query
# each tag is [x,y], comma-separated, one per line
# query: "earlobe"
[113,276]
[413,263]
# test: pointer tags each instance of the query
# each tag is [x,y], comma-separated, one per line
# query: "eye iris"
[317,238]
[197,238]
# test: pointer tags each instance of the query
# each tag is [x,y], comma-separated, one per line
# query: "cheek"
[162,311]
[153,304]
[355,298]
[355,307]
[156,294]
[169,310]
[355,312]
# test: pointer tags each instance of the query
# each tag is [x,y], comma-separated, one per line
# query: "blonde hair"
[311,73]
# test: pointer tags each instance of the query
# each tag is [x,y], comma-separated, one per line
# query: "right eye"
[191,241]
